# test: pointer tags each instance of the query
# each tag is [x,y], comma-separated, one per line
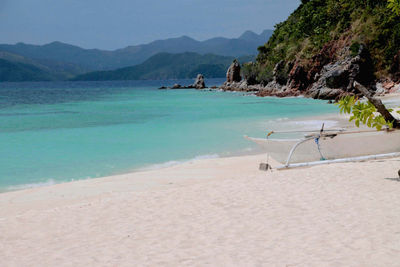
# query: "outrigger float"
[330,146]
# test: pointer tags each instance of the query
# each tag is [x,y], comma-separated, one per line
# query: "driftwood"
[378,104]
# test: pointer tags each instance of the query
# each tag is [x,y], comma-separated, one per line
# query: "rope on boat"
[269,166]
[319,148]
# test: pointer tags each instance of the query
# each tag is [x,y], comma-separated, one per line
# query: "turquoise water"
[56,132]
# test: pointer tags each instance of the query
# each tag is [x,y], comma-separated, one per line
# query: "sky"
[112,24]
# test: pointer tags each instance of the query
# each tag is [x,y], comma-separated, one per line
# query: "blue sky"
[111,24]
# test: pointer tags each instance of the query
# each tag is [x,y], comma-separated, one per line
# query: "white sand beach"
[212,212]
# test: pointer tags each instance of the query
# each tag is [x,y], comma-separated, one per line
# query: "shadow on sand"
[393,179]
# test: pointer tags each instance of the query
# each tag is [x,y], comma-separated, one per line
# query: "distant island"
[164,66]
[59,61]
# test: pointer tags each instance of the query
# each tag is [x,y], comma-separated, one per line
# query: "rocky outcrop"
[336,79]
[297,78]
[240,86]
[199,82]
[330,74]
[332,81]
[233,73]
[176,86]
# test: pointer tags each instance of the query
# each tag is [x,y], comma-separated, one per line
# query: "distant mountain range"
[55,70]
[13,71]
[169,66]
[61,61]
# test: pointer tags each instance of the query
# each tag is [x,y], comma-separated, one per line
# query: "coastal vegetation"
[364,113]
[331,25]
[367,112]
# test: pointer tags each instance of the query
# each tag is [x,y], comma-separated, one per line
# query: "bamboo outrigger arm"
[354,159]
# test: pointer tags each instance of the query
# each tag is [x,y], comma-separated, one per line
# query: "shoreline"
[141,183]
[340,120]
[254,150]
[223,211]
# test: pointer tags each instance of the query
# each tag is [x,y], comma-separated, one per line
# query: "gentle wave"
[176,162]
[30,185]
[50,182]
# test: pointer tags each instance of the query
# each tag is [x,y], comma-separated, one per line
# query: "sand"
[212,212]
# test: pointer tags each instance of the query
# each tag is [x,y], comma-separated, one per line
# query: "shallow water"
[56,132]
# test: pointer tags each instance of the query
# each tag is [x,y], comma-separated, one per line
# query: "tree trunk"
[378,104]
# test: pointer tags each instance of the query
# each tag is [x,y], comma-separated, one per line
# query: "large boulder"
[233,73]
[297,78]
[199,82]
[332,81]
[336,79]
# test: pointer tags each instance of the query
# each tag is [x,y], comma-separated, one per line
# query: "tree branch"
[378,104]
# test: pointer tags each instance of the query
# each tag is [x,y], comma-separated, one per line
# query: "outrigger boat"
[331,146]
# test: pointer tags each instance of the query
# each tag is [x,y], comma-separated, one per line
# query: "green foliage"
[250,72]
[264,75]
[315,23]
[168,66]
[21,72]
[363,113]
[354,48]
[394,5]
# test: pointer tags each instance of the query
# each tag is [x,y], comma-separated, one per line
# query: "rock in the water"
[177,86]
[233,73]
[162,87]
[199,82]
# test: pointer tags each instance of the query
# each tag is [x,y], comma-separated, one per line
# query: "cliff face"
[324,46]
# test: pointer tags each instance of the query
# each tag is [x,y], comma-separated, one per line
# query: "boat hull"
[338,147]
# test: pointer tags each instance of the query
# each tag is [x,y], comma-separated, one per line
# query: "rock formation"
[199,82]
[176,86]
[330,74]
[233,73]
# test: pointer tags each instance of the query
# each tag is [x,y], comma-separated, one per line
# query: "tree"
[367,112]
[394,5]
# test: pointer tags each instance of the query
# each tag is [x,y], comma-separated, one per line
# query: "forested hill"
[96,59]
[322,32]
[169,66]
[20,72]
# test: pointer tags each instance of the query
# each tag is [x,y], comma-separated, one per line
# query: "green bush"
[316,22]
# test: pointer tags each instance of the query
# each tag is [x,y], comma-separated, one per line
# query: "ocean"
[52,132]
